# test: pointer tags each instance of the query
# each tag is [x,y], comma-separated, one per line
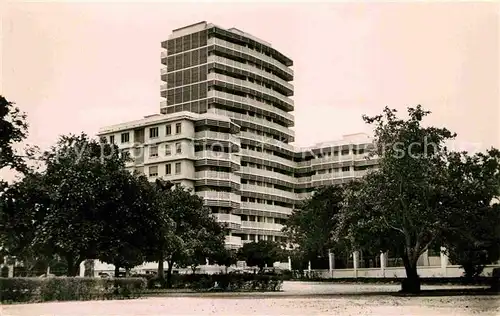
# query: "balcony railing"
[268,174]
[252,102]
[266,156]
[228,218]
[217,175]
[250,52]
[215,195]
[267,140]
[207,154]
[256,120]
[252,69]
[334,175]
[233,241]
[261,225]
[267,190]
[266,207]
[218,136]
[251,85]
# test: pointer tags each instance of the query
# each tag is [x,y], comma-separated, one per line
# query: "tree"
[79,172]
[473,239]
[196,232]
[261,253]
[311,227]
[129,219]
[225,257]
[400,206]
[13,130]
[22,209]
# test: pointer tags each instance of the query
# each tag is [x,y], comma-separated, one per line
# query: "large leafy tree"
[22,209]
[400,206]
[261,253]
[79,173]
[311,227]
[473,238]
[13,130]
[129,218]
[196,232]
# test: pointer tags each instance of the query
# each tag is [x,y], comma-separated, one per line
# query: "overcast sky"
[77,67]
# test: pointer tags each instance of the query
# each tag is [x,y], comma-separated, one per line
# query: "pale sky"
[77,67]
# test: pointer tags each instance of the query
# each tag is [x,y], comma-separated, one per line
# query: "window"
[168,151]
[345,169]
[112,139]
[153,151]
[178,128]
[177,168]
[153,132]
[168,169]
[153,171]
[178,148]
[125,137]
[168,130]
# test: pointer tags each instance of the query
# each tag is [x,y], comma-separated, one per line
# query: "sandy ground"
[296,299]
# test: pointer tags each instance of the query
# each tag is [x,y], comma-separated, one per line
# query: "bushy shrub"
[228,282]
[68,289]
[19,289]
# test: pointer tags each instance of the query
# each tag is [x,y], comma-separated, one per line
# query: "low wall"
[395,272]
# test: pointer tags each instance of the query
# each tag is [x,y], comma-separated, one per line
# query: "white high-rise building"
[225,131]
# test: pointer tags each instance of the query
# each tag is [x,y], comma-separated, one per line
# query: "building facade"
[224,130]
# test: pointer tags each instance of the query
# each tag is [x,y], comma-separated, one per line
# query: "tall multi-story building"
[225,131]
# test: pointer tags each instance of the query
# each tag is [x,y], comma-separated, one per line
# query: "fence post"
[444,261]
[331,262]
[383,263]
[355,259]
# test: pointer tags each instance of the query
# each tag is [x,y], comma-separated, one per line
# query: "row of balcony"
[255,120]
[331,159]
[250,52]
[268,174]
[218,136]
[249,101]
[268,190]
[267,140]
[205,154]
[250,85]
[268,157]
[265,207]
[215,195]
[251,69]
[217,175]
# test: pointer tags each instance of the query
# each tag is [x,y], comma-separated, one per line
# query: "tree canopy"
[13,130]
[261,253]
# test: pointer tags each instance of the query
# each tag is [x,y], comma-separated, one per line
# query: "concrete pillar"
[331,261]
[11,271]
[444,260]
[355,260]
[48,270]
[425,258]
[383,262]
[309,269]
[289,263]
[82,269]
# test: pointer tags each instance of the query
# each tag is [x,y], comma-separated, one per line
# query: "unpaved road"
[296,299]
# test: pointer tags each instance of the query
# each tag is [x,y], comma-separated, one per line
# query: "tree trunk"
[169,274]
[412,282]
[161,269]
[73,266]
[117,270]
